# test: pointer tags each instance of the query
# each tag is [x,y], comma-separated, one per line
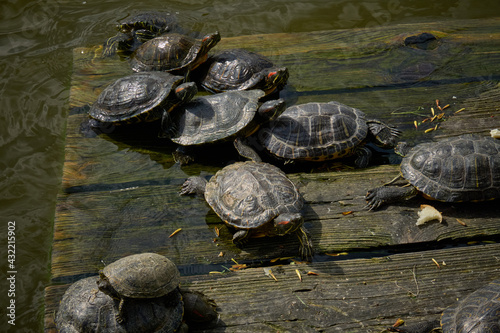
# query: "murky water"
[36,42]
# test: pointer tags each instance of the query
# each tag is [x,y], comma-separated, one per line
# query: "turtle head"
[209,41]
[287,223]
[186,91]
[105,286]
[271,110]
[402,148]
[275,78]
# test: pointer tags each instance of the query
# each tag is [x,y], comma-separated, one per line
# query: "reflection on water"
[36,41]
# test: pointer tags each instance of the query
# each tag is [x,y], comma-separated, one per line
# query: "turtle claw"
[374,201]
[193,185]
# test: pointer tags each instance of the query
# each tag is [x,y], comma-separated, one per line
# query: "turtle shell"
[137,97]
[464,168]
[172,52]
[478,312]
[84,308]
[233,69]
[157,22]
[315,131]
[142,275]
[208,119]
[247,195]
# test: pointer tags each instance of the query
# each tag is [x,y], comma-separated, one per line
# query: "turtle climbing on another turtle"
[144,275]
[463,168]
[238,69]
[141,97]
[173,52]
[84,308]
[479,312]
[232,115]
[324,131]
[255,198]
[136,30]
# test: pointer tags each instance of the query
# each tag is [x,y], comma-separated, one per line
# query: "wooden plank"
[356,295]
[120,189]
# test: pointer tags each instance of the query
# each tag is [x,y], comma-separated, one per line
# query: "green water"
[36,42]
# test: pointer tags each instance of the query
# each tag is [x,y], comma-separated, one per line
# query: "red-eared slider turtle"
[479,312]
[232,115]
[145,275]
[199,310]
[256,199]
[137,29]
[141,97]
[324,131]
[84,308]
[464,168]
[173,52]
[238,69]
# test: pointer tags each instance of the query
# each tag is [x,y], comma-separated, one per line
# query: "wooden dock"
[119,194]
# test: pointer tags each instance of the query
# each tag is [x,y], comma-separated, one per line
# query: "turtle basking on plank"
[463,168]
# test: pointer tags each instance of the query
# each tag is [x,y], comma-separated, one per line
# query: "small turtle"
[477,313]
[324,131]
[173,52]
[141,97]
[232,115]
[463,168]
[84,308]
[138,29]
[199,310]
[145,275]
[238,69]
[256,199]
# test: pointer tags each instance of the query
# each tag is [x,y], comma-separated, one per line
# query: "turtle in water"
[139,276]
[477,313]
[238,69]
[255,198]
[84,308]
[324,131]
[138,29]
[141,97]
[232,115]
[173,52]
[463,168]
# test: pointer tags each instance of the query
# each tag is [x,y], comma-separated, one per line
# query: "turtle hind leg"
[246,151]
[240,237]
[383,195]
[384,134]
[119,316]
[363,157]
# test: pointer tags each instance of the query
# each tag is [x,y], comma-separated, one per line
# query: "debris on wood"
[298,274]
[269,272]
[428,213]
[461,222]
[495,133]
[435,262]
[175,232]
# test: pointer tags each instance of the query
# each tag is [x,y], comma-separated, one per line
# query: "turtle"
[144,275]
[199,310]
[84,308]
[173,52]
[462,168]
[477,313]
[255,198]
[232,115]
[139,28]
[239,69]
[324,131]
[141,97]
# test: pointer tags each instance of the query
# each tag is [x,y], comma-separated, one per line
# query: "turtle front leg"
[240,237]
[383,195]
[306,247]
[119,316]
[364,155]
[385,135]
[245,150]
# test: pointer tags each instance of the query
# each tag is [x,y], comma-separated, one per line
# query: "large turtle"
[141,97]
[144,275]
[479,312]
[233,115]
[463,168]
[238,69]
[255,198]
[84,309]
[173,52]
[324,131]
[137,29]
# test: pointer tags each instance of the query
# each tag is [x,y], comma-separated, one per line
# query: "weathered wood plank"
[356,295]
